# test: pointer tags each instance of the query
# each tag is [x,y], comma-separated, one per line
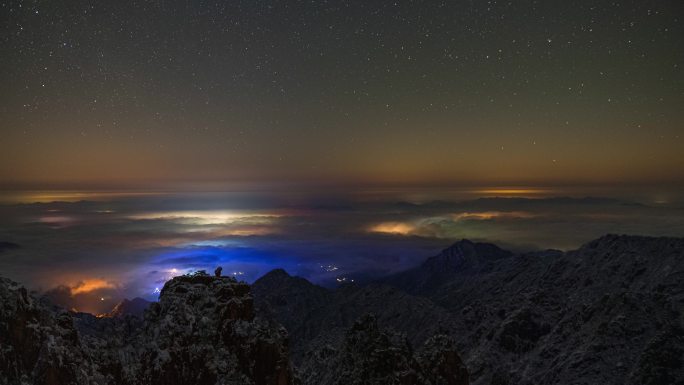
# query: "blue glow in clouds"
[138,243]
[245,263]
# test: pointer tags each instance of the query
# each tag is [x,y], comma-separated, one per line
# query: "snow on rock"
[205,332]
[201,332]
[38,343]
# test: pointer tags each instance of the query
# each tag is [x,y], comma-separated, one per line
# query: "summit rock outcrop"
[203,331]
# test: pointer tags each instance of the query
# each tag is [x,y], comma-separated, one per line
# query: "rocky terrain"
[586,316]
[311,313]
[610,312]
[370,356]
[38,343]
[202,331]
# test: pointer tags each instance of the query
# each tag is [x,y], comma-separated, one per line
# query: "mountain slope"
[586,316]
[135,307]
[609,312]
[312,313]
[369,355]
[463,256]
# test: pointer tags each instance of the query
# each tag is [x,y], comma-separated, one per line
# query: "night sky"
[150,93]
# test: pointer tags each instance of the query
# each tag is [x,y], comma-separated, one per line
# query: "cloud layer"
[96,252]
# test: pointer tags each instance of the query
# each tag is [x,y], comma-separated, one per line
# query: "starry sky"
[181,92]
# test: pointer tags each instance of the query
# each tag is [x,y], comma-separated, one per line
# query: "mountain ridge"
[536,318]
[610,312]
[135,307]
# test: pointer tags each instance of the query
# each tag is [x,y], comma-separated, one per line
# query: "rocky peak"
[204,295]
[203,331]
[288,299]
[135,307]
[465,254]
[277,279]
[276,275]
[463,258]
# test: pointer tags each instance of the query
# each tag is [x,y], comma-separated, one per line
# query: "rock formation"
[202,331]
[371,356]
[38,343]
[610,312]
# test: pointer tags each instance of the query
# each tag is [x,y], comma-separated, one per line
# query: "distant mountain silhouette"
[135,307]
[463,256]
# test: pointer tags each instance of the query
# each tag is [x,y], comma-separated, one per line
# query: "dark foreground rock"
[38,343]
[202,331]
[371,356]
[611,312]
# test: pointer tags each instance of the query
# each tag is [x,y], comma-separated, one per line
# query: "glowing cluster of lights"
[343,279]
[329,268]
[237,273]
[515,192]
[392,228]
[209,217]
[170,274]
[90,285]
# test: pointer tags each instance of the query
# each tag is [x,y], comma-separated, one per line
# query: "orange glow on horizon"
[421,226]
[209,217]
[90,285]
[392,228]
[27,197]
[514,191]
